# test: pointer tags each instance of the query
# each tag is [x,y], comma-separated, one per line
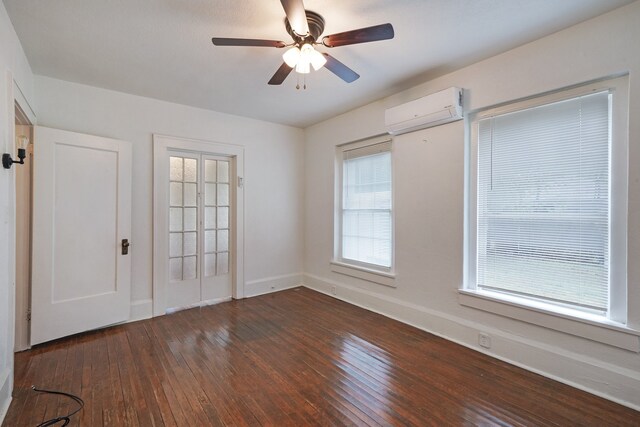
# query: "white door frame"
[21,279]
[162,144]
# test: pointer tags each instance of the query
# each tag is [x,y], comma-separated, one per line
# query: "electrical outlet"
[484,340]
[333,290]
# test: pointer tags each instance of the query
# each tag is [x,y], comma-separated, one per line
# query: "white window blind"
[543,202]
[366,205]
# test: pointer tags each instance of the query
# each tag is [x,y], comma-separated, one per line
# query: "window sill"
[379,277]
[564,320]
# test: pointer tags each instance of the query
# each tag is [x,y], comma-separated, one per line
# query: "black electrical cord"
[66,418]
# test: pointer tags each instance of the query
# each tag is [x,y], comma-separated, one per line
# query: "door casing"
[22,220]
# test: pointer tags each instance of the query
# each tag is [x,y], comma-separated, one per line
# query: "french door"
[199,229]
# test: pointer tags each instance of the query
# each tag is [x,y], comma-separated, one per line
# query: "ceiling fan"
[305,28]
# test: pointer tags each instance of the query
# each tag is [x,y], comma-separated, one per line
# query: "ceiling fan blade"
[294,9]
[221,41]
[340,70]
[281,74]
[362,35]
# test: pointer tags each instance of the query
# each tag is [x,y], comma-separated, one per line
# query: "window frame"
[366,271]
[510,305]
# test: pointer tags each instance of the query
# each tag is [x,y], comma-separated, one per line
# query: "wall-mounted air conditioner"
[431,110]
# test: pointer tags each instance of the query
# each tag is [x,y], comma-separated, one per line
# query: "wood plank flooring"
[293,358]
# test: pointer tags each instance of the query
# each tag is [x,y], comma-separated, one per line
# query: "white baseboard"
[141,309]
[610,382]
[5,392]
[272,284]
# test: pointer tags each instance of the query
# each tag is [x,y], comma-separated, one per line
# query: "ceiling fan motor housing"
[316,27]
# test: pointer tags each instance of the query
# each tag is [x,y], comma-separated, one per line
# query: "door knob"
[125,246]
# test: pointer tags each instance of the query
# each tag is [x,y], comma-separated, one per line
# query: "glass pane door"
[200,229]
[217,227]
[183,230]
[216,217]
[183,217]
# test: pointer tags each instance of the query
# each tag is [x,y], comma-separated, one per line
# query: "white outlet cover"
[484,340]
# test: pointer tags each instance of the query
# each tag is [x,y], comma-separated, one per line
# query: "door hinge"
[29,315]
[240,181]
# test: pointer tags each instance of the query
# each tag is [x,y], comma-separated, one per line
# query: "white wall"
[273,174]
[12,63]
[429,205]
[288,185]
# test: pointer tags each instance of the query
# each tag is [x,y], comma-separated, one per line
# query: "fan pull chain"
[304,81]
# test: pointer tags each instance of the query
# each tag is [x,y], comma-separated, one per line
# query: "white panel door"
[81,214]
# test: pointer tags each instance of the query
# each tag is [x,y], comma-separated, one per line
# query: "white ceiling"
[162,48]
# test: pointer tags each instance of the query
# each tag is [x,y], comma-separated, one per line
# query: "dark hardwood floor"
[292,358]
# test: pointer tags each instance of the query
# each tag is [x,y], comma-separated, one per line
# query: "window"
[548,220]
[364,217]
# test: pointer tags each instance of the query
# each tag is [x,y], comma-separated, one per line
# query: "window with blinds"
[366,217]
[543,202]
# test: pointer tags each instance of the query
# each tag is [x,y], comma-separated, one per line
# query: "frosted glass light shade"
[317,60]
[306,52]
[291,56]
[303,67]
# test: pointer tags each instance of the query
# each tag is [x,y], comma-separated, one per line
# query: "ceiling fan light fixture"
[291,56]
[304,58]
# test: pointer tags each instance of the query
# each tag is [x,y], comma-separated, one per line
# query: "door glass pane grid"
[183,218]
[216,217]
